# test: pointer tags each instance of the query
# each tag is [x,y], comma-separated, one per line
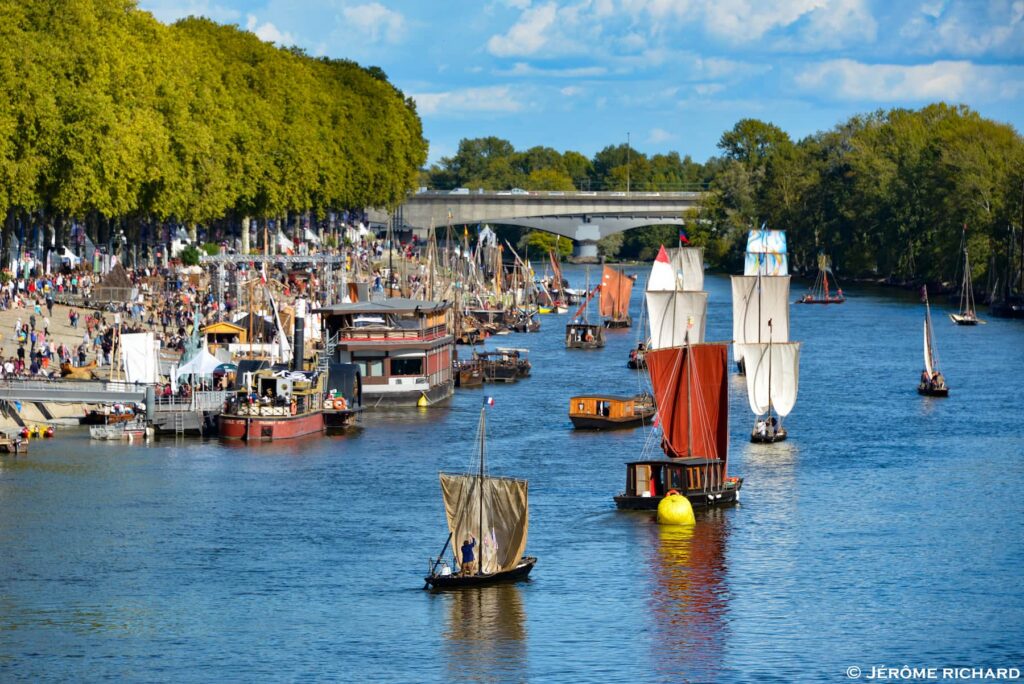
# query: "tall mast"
[769,368]
[480,550]
[689,404]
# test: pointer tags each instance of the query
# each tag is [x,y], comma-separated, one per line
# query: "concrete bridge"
[585,217]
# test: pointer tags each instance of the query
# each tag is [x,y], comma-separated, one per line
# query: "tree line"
[113,119]
[886,194]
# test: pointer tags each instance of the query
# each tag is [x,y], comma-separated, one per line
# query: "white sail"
[773,376]
[755,301]
[766,253]
[927,350]
[688,263]
[671,314]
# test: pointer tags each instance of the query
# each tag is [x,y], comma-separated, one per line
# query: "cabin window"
[604,408]
[579,407]
[676,480]
[371,368]
[407,366]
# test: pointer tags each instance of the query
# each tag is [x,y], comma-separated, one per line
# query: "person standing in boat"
[926,380]
[468,560]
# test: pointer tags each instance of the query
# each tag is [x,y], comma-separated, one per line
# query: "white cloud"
[374,22]
[658,135]
[968,29]
[532,34]
[571,91]
[839,23]
[267,32]
[705,89]
[169,11]
[487,99]
[846,79]
[524,69]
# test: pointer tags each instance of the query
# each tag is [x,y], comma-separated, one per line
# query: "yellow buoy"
[422,401]
[675,509]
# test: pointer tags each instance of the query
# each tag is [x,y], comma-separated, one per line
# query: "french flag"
[488,401]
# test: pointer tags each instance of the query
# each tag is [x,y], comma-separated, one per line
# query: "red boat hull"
[270,428]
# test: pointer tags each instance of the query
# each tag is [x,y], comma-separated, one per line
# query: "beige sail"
[773,375]
[755,301]
[672,313]
[688,263]
[502,540]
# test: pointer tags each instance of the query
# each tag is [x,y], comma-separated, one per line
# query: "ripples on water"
[887,530]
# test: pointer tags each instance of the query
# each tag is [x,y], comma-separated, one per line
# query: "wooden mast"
[480,548]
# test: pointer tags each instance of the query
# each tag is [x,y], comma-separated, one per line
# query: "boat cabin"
[584,336]
[504,364]
[698,479]
[606,411]
[222,334]
[403,348]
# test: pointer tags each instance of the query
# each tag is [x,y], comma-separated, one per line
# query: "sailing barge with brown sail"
[488,521]
[616,289]
[692,393]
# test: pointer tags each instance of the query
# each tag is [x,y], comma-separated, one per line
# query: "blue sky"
[670,74]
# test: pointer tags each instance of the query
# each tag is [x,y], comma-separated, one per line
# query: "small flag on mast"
[683,240]
[488,401]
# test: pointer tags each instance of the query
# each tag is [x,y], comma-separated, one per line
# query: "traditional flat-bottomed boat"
[488,521]
[610,412]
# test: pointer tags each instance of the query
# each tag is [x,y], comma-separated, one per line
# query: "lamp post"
[627,162]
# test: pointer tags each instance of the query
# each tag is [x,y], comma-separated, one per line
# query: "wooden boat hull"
[725,497]
[830,300]
[270,428]
[596,344]
[603,423]
[13,446]
[455,581]
[340,420]
[768,437]
[618,323]
[933,391]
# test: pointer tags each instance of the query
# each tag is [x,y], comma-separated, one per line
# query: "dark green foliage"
[108,113]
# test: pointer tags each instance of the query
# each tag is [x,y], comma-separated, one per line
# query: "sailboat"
[690,382]
[616,289]
[491,514]
[692,394]
[676,282]
[932,384]
[967,314]
[773,376]
[820,292]
[760,296]
[580,333]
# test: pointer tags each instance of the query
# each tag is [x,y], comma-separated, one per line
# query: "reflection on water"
[688,600]
[485,634]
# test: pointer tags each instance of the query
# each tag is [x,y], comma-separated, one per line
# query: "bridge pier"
[585,250]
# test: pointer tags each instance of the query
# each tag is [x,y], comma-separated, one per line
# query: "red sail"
[616,289]
[708,394]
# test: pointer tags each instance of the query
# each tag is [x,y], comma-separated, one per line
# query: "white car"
[519,191]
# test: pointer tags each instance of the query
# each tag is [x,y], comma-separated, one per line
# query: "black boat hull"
[932,391]
[602,423]
[725,497]
[456,581]
[768,438]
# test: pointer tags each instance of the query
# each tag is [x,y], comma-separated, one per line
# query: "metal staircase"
[324,360]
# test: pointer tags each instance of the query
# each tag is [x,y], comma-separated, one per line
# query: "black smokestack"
[298,337]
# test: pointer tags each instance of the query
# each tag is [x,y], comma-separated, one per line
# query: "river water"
[888,530]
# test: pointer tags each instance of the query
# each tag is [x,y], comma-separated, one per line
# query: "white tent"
[284,244]
[310,236]
[139,356]
[201,365]
[69,256]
